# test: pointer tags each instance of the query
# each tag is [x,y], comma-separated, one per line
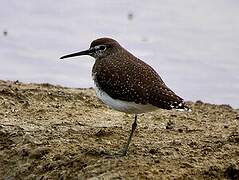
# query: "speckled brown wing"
[130,79]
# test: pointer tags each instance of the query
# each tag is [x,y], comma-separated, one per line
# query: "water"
[194,45]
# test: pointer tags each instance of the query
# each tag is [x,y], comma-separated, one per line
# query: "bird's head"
[99,48]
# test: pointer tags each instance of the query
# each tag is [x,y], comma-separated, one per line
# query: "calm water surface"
[194,45]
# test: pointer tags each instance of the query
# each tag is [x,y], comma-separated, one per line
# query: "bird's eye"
[102,48]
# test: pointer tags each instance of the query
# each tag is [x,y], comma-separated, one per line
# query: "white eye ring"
[101,47]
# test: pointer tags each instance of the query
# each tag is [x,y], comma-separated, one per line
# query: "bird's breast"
[123,106]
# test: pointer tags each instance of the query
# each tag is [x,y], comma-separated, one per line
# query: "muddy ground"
[52,132]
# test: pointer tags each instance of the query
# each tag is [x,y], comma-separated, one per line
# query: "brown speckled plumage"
[126,83]
[123,76]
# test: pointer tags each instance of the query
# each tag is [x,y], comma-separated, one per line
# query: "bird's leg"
[134,125]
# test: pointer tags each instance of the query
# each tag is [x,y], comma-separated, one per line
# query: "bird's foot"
[122,152]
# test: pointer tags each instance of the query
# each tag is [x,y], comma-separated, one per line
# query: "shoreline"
[57,132]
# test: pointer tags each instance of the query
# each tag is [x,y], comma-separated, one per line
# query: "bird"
[127,84]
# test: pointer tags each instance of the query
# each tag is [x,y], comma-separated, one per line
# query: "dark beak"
[86,52]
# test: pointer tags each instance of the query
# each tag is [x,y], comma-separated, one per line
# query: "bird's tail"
[181,106]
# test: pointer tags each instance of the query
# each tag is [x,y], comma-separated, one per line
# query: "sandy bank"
[53,132]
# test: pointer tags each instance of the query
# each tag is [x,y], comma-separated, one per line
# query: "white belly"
[124,106]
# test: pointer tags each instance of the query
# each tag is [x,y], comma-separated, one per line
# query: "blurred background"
[192,44]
